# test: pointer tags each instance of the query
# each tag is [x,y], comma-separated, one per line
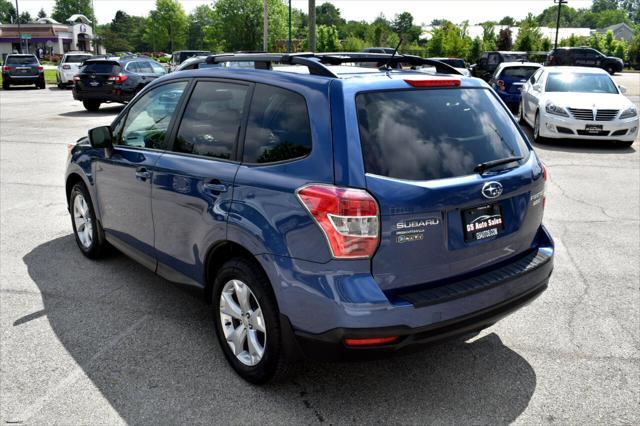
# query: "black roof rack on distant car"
[317,62]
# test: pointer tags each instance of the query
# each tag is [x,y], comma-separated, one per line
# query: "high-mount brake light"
[371,341]
[441,82]
[348,217]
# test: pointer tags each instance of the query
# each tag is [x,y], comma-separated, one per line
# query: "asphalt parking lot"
[108,342]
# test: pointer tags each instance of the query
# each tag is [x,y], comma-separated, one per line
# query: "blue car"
[325,211]
[509,79]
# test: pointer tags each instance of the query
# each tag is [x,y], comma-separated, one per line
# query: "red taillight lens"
[118,79]
[371,341]
[545,175]
[5,68]
[440,82]
[66,67]
[347,216]
[41,68]
[500,84]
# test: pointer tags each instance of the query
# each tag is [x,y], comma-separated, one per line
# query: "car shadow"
[576,145]
[102,112]
[150,349]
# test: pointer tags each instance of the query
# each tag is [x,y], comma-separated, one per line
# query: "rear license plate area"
[482,222]
[593,128]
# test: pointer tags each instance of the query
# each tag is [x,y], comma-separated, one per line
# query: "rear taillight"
[347,216]
[371,341]
[5,68]
[41,68]
[440,82]
[500,84]
[118,79]
[76,78]
[545,175]
[66,67]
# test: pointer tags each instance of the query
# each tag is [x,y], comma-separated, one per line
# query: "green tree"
[505,40]
[475,51]
[609,43]
[529,36]
[381,34]
[25,18]
[633,50]
[173,22]
[632,7]
[602,5]
[199,19]
[507,20]
[64,9]
[328,14]
[595,41]
[403,25]
[155,35]
[353,44]
[356,29]
[42,13]
[620,49]
[7,12]
[549,16]
[545,45]
[488,36]
[328,40]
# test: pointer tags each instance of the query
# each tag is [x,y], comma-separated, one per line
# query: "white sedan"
[577,103]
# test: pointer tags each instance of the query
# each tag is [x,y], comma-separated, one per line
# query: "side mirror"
[101,137]
[622,89]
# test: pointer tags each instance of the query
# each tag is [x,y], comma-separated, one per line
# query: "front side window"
[434,133]
[156,68]
[148,119]
[278,127]
[581,83]
[211,121]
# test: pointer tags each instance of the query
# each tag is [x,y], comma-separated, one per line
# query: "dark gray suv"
[22,70]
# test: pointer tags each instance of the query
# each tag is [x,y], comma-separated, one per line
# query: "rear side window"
[434,134]
[278,127]
[211,121]
[21,60]
[101,68]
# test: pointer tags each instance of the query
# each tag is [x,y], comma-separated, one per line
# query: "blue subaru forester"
[326,209]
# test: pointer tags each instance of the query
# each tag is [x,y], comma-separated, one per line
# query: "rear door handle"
[143,174]
[215,187]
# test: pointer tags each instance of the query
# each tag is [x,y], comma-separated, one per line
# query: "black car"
[104,80]
[489,61]
[182,55]
[22,70]
[584,57]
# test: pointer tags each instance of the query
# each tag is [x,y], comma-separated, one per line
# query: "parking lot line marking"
[75,374]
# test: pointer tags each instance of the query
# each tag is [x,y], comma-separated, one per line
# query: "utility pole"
[312,25]
[265,27]
[289,49]
[19,29]
[559,3]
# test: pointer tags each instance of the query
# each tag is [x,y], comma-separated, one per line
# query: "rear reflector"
[347,216]
[441,82]
[371,341]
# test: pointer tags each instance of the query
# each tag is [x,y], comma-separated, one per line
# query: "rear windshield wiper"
[482,167]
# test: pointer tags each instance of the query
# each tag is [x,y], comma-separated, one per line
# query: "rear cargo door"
[440,218]
[95,75]
[23,66]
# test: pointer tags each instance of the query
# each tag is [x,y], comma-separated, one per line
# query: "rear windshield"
[519,72]
[434,134]
[76,59]
[101,68]
[582,83]
[456,63]
[21,60]
[510,57]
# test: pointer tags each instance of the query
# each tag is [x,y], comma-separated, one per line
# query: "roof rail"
[317,62]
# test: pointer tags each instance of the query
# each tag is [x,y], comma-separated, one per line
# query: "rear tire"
[520,113]
[5,85]
[266,359]
[610,69]
[91,105]
[41,85]
[86,228]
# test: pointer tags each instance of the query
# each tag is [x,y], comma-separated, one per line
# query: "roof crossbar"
[317,62]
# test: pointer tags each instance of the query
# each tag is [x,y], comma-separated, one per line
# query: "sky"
[423,11]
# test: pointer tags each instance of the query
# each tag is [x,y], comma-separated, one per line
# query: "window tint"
[21,60]
[278,126]
[494,59]
[456,63]
[434,134]
[156,68]
[212,119]
[101,68]
[582,83]
[76,59]
[519,72]
[536,76]
[148,119]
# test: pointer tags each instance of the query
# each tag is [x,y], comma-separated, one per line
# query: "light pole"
[265,27]
[289,43]
[312,25]
[559,3]
[19,29]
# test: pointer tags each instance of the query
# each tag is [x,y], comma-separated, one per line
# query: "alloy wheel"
[83,221]
[536,127]
[242,322]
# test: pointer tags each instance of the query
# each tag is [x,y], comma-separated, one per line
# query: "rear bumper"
[326,304]
[110,95]
[31,79]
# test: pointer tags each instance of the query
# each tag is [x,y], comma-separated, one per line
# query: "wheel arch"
[72,180]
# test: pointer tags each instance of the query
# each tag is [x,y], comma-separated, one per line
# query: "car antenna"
[395,51]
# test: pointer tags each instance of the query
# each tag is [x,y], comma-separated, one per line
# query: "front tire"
[536,130]
[86,228]
[91,105]
[610,69]
[521,113]
[247,322]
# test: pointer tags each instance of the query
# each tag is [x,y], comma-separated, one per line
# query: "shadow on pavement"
[149,347]
[103,111]
[576,145]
